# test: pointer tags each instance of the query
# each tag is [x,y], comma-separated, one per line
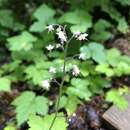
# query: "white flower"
[50,103]
[62,36]
[77,33]
[82,36]
[45,84]
[82,56]
[50,47]
[50,28]
[52,70]
[58,45]
[75,70]
[62,68]
[58,29]
[69,120]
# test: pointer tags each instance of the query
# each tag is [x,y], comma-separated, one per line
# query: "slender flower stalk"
[62,82]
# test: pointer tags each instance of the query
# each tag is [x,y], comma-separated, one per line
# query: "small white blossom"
[77,33]
[50,103]
[75,70]
[69,120]
[82,56]
[45,84]
[62,36]
[52,70]
[50,47]
[58,45]
[74,114]
[50,28]
[58,29]
[82,36]
[62,68]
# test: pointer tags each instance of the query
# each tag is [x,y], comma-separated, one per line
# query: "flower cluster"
[60,31]
[75,72]
[61,34]
[80,36]
[52,47]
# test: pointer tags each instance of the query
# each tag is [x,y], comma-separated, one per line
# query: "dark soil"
[122,43]
[7,113]
[87,116]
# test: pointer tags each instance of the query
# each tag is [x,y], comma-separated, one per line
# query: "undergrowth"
[58,46]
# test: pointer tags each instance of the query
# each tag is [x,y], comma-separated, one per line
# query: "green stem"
[62,83]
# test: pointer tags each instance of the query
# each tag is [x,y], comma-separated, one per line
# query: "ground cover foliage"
[26,61]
